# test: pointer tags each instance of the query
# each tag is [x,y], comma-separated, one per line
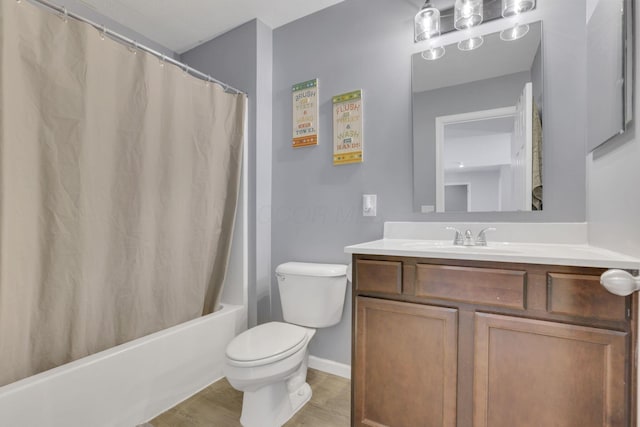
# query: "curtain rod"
[119,37]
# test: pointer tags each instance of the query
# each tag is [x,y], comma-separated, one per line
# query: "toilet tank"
[312,294]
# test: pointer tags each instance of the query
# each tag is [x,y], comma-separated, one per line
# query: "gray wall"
[242,58]
[367,44]
[358,44]
[537,70]
[613,208]
[486,94]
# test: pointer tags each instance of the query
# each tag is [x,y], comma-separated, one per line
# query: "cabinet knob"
[620,282]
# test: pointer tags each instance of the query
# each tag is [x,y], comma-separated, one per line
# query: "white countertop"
[579,255]
[541,243]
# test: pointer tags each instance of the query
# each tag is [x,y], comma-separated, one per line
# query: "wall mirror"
[609,70]
[477,127]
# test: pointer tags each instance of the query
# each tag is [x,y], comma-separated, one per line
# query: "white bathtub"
[129,384]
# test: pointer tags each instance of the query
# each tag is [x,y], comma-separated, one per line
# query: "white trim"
[330,367]
[245,210]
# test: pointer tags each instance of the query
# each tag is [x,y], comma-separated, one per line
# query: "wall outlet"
[369,205]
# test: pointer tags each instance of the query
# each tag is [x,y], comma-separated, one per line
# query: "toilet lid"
[266,343]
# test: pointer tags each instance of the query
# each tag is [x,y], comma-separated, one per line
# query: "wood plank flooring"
[220,405]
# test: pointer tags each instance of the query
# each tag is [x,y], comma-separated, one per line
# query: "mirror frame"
[599,129]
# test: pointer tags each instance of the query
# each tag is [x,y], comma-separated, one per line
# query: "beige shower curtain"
[118,187]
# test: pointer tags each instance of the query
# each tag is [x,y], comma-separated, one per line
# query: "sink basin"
[440,246]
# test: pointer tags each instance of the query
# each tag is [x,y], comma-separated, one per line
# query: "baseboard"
[330,367]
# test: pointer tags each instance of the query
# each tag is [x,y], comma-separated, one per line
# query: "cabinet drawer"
[379,276]
[503,288]
[583,296]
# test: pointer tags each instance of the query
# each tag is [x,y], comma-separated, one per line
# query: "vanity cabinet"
[396,386]
[472,343]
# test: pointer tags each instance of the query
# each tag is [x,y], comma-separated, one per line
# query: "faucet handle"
[481,240]
[458,239]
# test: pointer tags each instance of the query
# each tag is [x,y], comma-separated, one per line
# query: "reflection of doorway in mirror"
[491,150]
[456,197]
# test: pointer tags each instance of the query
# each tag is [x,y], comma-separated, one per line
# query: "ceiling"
[182,25]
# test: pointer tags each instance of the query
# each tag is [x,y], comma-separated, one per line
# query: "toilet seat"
[265,344]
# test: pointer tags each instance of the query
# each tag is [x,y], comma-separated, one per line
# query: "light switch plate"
[369,204]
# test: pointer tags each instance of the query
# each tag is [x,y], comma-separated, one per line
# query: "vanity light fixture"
[430,22]
[427,26]
[433,53]
[467,14]
[471,43]
[426,23]
[513,8]
[516,7]
[514,33]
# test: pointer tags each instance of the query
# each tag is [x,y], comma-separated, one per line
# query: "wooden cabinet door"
[538,373]
[406,364]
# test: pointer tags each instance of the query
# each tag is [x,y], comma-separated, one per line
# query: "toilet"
[269,362]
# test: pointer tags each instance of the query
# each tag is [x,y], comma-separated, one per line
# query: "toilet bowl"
[268,363]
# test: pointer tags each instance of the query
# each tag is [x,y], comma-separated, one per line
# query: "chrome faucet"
[467,239]
[481,240]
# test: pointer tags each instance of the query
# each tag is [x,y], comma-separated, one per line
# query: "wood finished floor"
[219,405]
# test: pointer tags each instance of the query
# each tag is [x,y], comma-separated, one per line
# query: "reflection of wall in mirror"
[456,198]
[536,80]
[484,189]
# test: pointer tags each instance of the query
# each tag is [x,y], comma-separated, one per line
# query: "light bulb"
[516,7]
[433,53]
[471,44]
[467,14]
[426,23]
[514,33]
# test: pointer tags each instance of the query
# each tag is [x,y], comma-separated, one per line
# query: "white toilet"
[269,362]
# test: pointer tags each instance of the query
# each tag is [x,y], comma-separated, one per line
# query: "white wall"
[479,150]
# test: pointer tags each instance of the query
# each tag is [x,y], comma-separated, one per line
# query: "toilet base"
[273,405]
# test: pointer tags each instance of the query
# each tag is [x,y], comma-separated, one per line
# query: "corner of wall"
[263,101]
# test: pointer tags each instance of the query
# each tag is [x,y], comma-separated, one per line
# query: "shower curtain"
[119,178]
